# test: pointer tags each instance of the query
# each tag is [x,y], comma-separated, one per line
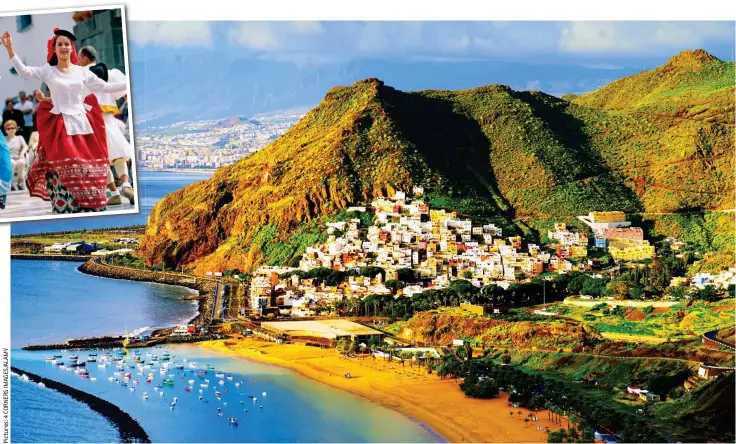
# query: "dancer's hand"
[7,40]
[38,94]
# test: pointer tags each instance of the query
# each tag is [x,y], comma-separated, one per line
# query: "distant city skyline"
[585,43]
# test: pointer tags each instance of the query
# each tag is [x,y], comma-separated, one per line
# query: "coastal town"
[436,247]
[209,144]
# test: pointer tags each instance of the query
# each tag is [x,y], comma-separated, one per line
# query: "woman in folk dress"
[71,162]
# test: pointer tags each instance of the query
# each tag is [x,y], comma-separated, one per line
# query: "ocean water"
[152,186]
[33,406]
[51,302]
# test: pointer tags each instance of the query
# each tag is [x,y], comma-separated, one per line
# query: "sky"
[596,44]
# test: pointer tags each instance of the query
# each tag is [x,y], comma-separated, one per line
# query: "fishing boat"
[59,362]
[50,358]
[179,366]
[229,377]
[188,389]
[92,354]
[218,394]
[237,384]
[203,385]
[233,421]
[193,364]
[145,396]
[110,379]
[201,373]
[221,382]
[91,359]
[219,375]
[191,382]
[78,364]
[168,382]
[73,358]
[102,365]
[57,356]
[210,367]
[93,379]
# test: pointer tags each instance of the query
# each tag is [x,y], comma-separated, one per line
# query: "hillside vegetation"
[501,153]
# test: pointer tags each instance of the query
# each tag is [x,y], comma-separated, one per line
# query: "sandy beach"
[437,403]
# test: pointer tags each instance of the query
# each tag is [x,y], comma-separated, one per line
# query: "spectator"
[18,148]
[25,105]
[13,114]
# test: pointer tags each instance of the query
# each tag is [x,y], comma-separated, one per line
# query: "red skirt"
[78,162]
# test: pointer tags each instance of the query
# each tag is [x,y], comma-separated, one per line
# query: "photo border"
[134,165]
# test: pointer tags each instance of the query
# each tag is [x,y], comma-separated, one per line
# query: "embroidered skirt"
[70,171]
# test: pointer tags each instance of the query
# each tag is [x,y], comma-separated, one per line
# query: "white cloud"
[172,34]
[269,36]
[640,37]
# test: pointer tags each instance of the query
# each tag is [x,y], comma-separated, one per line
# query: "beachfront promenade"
[19,204]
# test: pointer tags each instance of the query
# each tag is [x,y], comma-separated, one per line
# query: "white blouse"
[68,91]
[17,146]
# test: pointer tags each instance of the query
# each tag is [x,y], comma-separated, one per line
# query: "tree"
[467,274]
[708,294]
[506,358]
[394,285]
[406,275]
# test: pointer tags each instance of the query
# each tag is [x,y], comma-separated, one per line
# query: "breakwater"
[204,286]
[111,342]
[50,257]
[130,430]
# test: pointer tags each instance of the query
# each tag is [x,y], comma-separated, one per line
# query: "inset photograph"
[67,146]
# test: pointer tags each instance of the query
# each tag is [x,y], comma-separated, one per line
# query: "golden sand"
[435,402]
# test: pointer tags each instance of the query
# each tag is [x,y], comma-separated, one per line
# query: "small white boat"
[93,379]
[145,395]
[41,384]
[264,393]
[132,389]
[229,378]
[219,375]
[237,384]
[191,382]
[201,391]
[161,393]
[193,364]
[203,385]
[221,382]
[110,379]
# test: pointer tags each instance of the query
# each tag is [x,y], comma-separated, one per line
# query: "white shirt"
[26,105]
[110,99]
[68,91]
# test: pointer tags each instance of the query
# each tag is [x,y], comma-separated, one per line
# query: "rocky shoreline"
[205,287]
[130,430]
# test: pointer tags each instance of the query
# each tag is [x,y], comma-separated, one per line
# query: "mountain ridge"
[505,154]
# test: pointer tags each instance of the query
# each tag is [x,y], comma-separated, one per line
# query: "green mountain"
[522,157]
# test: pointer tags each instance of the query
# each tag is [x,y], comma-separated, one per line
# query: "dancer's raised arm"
[27,72]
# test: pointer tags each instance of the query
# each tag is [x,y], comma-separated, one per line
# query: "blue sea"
[51,302]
